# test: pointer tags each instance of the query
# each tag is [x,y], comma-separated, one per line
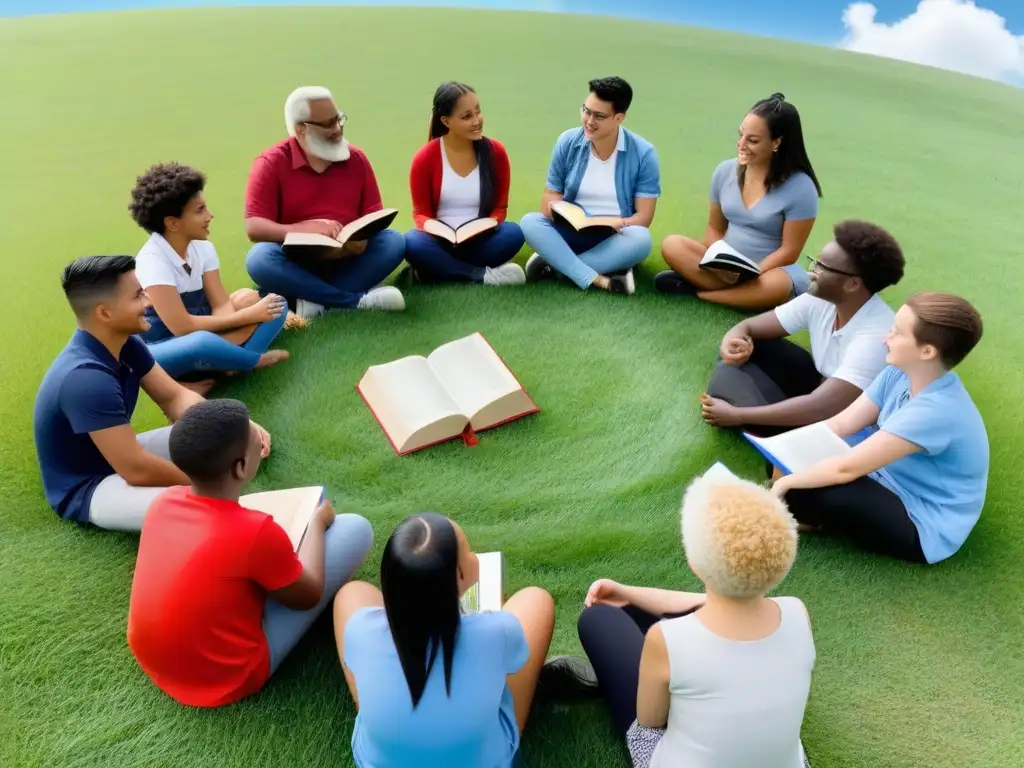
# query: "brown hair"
[947,322]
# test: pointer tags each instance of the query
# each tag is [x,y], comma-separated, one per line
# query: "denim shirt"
[636,169]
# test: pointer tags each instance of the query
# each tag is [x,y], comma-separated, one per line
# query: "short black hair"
[614,90]
[91,279]
[209,438]
[164,190]
[878,256]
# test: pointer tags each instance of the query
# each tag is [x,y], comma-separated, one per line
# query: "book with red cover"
[461,388]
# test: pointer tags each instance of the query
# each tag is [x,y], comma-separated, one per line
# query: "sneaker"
[622,282]
[307,310]
[386,298]
[564,677]
[538,269]
[506,274]
[670,281]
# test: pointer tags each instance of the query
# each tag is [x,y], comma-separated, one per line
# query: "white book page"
[407,397]
[720,246]
[804,447]
[473,373]
[488,593]
[291,508]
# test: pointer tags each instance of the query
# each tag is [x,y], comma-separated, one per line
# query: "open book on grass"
[488,594]
[462,233]
[574,215]
[460,388]
[798,449]
[307,245]
[721,255]
[291,508]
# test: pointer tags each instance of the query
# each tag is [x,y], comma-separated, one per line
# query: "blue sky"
[814,21]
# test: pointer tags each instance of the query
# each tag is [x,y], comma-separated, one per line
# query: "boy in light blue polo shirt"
[914,484]
[606,170]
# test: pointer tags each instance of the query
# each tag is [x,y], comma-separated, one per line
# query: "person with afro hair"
[196,327]
[766,384]
[719,677]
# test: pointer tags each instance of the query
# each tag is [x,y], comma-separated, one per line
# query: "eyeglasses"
[339,120]
[817,266]
[599,116]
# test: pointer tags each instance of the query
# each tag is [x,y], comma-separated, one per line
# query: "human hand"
[268,308]
[736,350]
[782,486]
[719,413]
[326,227]
[325,513]
[355,247]
[264,440]
[606,592]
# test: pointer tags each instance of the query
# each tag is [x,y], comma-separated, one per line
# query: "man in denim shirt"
[607,171]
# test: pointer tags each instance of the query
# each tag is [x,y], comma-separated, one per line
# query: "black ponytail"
[446,97]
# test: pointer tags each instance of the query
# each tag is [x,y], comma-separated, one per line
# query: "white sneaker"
[307,310]
[387,298]
[506,274]
[624,283]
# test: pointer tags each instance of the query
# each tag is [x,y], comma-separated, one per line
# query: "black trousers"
[613,639]
[864,511]
[777,370]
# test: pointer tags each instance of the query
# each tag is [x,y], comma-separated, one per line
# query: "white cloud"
[951,34]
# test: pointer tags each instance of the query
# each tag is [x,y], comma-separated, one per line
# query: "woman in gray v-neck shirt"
[763,204]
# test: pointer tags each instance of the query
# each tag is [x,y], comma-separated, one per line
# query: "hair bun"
[777,97]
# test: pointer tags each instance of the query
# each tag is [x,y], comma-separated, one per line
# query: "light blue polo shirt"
[637,172]
[943,486]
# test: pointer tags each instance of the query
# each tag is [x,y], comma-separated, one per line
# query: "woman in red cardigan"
[458,176]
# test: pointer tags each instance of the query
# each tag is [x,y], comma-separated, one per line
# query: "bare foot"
[199,387]
[295,323]
[273,357]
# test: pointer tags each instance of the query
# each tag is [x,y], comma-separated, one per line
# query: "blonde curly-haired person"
[715,679]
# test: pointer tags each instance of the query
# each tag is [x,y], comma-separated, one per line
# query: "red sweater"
[425,181]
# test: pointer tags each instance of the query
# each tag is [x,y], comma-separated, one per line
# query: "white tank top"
[736,704]
[460,195]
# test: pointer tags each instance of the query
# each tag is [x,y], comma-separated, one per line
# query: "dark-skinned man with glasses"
[315,181]
[766,384]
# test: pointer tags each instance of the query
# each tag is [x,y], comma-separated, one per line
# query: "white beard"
[326,150]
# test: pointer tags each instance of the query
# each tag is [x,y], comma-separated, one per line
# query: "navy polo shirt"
[85,390]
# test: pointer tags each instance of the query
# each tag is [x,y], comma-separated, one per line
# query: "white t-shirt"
[597,195]
[460,195]
[855,353]
[736,704]
[157,263]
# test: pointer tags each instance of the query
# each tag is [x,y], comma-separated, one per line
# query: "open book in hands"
[462,233]
[721,256]
[798,449]
[488,593]
[461,388]
[575,216]
[301,246]
[291,508]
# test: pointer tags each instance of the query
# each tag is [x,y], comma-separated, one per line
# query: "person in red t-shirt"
[457,177]
[219,596]
[315,181]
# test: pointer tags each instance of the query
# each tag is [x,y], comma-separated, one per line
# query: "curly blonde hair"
[739,537]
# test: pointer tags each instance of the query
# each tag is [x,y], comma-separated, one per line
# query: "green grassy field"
[916,666]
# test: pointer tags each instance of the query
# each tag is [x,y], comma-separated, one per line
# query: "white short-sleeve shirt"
[597,194]
[157,263]
[460,195]
[854,353]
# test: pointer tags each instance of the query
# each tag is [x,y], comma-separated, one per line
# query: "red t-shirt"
[284,188]
[196,612]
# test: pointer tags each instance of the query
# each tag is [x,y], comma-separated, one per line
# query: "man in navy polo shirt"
[94,468]
[316,182]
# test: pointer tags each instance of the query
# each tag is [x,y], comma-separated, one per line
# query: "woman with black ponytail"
[457,177]
[434,687]
[764,203]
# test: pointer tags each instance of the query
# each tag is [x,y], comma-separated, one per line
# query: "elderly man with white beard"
[316,182]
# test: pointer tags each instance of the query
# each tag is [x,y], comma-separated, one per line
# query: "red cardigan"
[425,181]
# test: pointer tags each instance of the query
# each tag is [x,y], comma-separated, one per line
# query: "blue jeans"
[440,260]
[346,544]
[206,351]
[582,256]
[332,284]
